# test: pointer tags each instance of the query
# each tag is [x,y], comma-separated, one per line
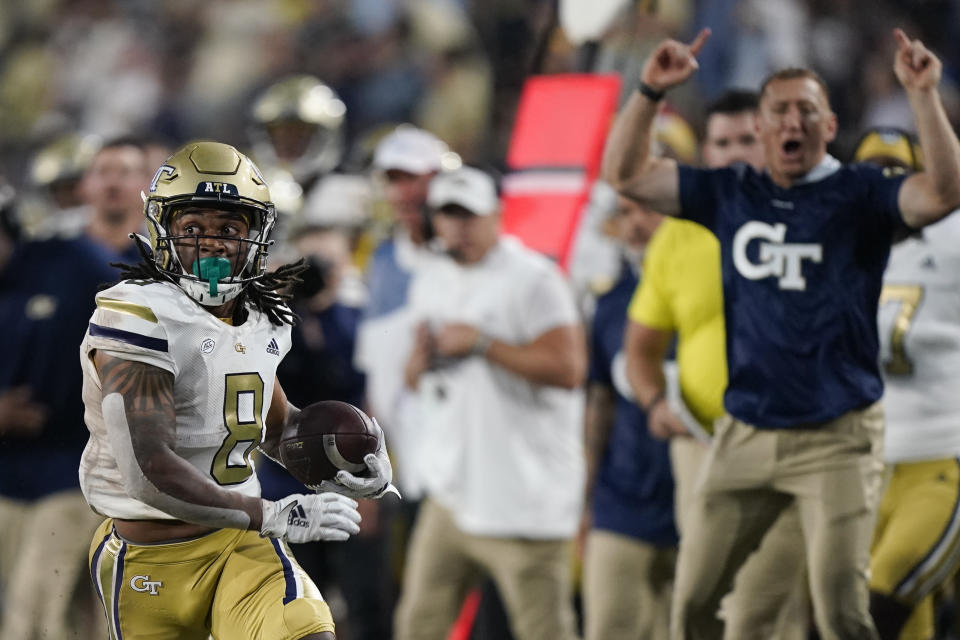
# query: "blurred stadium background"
[73,73]
[180,69]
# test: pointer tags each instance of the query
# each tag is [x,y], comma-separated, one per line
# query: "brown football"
[324,438]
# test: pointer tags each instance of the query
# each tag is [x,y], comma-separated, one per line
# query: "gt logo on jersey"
[165,170]
[144,584]
[777,258]
[239,348]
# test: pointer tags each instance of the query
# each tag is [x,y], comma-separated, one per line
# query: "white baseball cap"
[410,149]
[472,189]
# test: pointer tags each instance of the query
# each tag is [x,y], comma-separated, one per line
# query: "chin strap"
[212,270]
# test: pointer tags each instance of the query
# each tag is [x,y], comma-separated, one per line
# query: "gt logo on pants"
[777,258]
[144,584]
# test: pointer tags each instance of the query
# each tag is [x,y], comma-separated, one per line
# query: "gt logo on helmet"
[171,173]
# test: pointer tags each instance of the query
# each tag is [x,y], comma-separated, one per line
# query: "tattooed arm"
[138,409]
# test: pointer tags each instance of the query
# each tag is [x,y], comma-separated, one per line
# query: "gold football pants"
[231,584]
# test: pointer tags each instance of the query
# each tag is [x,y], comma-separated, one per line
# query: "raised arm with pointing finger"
[927,196]
[627,163]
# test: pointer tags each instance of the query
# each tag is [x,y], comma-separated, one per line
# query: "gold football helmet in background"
[298,126]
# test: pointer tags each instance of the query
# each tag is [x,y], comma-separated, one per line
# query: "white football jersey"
[223,384]
[919,322]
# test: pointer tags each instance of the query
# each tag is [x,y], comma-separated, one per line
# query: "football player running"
[179,383]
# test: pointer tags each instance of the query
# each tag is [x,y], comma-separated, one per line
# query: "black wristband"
[661,395]
[650,92]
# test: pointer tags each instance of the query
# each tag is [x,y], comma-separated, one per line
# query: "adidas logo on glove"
[298,517]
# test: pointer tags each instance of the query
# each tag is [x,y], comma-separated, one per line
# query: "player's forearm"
[941,150]
[177,488]
[557,362]
[627,152]
[155,475]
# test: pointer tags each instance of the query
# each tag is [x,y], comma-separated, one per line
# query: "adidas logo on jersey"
[273,347]
[298,517]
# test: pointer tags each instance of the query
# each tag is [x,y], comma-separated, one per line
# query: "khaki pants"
[626,587]
[832,474]
[443,563]
[769,599]
[43,563]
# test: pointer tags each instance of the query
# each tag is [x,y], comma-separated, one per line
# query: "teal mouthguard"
[212,270]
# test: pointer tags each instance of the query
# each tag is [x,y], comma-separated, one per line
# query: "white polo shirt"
[503,454]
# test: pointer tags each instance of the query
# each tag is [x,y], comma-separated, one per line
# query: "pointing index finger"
[699,41]
[901,37]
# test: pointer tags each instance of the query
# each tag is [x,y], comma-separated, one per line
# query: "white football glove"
[305,518]
[375,484]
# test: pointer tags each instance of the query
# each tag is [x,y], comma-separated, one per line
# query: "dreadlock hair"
[268,295]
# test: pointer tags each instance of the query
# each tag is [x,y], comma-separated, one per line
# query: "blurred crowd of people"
[95,94]
[453,67]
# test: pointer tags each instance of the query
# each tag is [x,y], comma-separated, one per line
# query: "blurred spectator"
[405,160]
[54,204]
[630,546]
[319,367]
[112,188]
[345,201]
[47,293]
[498,358]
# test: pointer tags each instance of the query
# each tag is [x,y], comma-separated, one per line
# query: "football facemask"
[209,178]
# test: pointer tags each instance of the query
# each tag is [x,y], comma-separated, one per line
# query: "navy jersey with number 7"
[802,272]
